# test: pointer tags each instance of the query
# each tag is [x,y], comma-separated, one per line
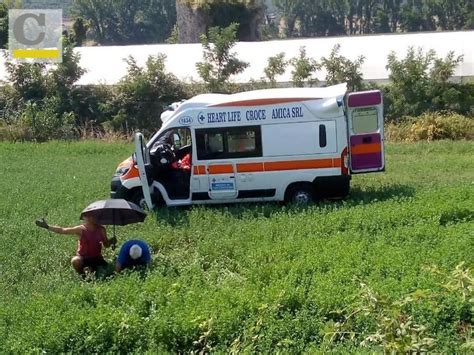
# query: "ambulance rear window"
[364,120]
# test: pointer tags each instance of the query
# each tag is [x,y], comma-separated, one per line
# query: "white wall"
[106,64]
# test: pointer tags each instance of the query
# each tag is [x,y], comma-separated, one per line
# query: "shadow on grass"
[380,193]
[173,216]
[179,216]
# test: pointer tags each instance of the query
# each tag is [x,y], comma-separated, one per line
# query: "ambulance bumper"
[117,190]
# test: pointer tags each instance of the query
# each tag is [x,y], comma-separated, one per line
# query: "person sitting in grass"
[133,253]
[91,238]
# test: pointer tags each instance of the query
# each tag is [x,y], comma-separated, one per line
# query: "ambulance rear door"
[365,131]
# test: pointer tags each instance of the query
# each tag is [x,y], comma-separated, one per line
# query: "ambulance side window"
[229,143]
[241,141]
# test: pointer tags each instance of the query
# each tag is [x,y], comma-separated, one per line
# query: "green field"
[247,278]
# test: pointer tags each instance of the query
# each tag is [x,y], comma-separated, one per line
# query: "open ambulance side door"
[142,157]
[365,131]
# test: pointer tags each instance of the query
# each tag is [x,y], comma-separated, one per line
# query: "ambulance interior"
[170,158]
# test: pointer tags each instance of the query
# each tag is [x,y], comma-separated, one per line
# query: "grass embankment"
[253,277]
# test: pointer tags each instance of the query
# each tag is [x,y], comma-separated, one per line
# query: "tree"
[143,94]
[276,66]
[36,82]
[304,68]
[420,82]
[121,22]
[416,16]
[323,18]
[195,17]
[451,14]
[79,28]
[290,10]
[3,26]
[4,6]
[339,69]
[43,95]
[219,63]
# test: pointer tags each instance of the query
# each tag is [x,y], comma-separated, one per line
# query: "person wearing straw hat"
[133,253]
[91,237]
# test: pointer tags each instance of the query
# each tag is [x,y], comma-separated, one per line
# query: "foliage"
[119,22]
[269,31]
[35,81]
[309,18]
[43,122]
[219,62]
[395,330]
[143,94]
[79,28]
[208,3]
[432,126]
[225,13]
[92,107]
[419,83]
[304,68]
[323,18]
[5,5]
[39,99]
[174,36]
[3,25]
[257,278]
[276,66]
[339,69]
[196,17]
[290,10]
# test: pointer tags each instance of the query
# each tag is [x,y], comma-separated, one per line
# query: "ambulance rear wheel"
[300,194]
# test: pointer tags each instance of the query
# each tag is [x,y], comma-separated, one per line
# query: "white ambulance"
[294,145]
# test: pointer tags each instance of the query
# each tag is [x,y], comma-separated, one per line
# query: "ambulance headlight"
[122,170]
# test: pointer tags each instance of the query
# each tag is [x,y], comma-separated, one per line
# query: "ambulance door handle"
[366,139]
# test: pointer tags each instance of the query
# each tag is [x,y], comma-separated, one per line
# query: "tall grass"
[243,278]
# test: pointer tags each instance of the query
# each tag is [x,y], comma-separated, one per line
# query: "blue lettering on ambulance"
[223,116]
[286,112]
[255,115]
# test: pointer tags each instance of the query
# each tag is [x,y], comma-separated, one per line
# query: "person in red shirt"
[91,238]
[184,163]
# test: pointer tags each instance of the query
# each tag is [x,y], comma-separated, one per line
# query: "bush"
[339,69]
[43,123]
[37,102]
[303,69]
[432,126]
[420,82]
[142,95]
[219,62]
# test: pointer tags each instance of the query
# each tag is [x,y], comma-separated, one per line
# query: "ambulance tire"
[138,199]
[301,194]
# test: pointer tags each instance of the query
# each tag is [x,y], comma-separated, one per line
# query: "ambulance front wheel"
[300,194]
[139,200]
